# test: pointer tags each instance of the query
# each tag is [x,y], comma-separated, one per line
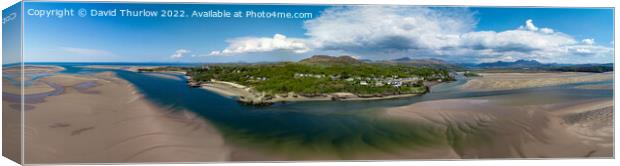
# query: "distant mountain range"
[345,59]
[535,65]
[594,68]
[438,63]
[516,64]
[430,62]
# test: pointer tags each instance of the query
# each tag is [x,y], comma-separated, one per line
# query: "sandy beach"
[119,67]
[487,128]
[506,81]
[109,121]
[163,75]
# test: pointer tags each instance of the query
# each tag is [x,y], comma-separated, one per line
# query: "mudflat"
[506,81]
[489,128]
[102,118]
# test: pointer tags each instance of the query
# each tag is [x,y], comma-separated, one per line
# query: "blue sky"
[368,32]
[11,35]
[580,23]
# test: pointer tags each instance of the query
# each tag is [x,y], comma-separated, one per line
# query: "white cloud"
[529,25]
[414,31]
[85,51]
[546,30]
[589,50]
[588,41]
[278,42]
[432,32]
[180,53]
[370,28]
[514,40]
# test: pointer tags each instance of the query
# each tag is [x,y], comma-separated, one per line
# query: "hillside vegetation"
[315,76]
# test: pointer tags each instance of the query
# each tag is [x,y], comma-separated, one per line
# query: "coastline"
[163,75]
[123,67]
[246,95]
[114,123]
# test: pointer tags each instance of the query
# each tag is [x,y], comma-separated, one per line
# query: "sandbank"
[506,81]
[486,128]
[115,125]
[119,67]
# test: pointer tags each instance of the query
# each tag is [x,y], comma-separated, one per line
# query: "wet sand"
[12,74]
[506,81]
[488,128]
[592,122]
[33,69]
[11,115]
[163,75]
[102,118]
[115,67]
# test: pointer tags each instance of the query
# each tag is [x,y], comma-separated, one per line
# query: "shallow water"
[339,129]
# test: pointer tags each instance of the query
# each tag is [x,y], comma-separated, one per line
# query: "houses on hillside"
[394,81]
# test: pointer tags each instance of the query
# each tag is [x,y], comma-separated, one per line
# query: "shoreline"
[119,67]
[247,96]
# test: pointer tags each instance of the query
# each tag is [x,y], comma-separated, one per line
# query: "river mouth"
[299,131]
[352,130]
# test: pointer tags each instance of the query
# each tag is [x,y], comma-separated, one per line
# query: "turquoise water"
[333,128]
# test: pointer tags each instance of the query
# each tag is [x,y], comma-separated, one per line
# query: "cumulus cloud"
[589,50]
[392,29]
[180,53]
[418,31]
[435,32]
[529,25]
[513,40]
[588,41]
[84,51]
[278,42]
[546,30]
